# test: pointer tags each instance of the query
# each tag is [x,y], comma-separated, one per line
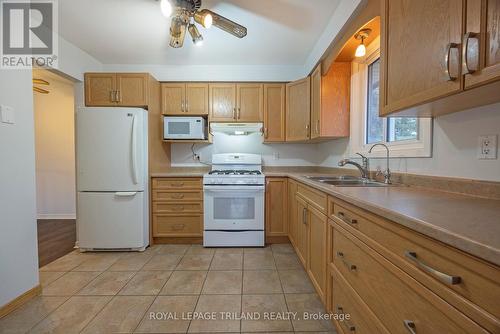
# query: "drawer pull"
[304,216]
[350,266]
[351,328]
[448,279]
[410,326]
[178,208]
[178,227]
[177,196]
[177,184]
[343,217]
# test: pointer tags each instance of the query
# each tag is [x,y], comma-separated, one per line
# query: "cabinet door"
[316,102]
[132,89]
[292,212]
[481,42]
[302,230]
[196,99]
[100,89]
[222,102]
[276,206]
[172,98]
[250,102]
[298,110]
[316,259]
[274,112]
[415,42]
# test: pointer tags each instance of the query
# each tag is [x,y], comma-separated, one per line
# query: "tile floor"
[158,290]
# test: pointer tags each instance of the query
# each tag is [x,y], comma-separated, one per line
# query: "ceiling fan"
[185,13]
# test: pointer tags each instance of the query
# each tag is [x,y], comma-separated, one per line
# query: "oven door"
[229,208]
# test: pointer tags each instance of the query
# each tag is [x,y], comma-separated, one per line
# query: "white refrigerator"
[112,179]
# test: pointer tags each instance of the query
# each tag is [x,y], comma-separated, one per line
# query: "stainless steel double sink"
[346,181]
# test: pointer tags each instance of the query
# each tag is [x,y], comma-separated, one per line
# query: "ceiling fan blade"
[227,25]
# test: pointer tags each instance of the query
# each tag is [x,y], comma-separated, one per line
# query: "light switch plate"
[487,147]
[7,115]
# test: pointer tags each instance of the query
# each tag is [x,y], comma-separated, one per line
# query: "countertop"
[468,223]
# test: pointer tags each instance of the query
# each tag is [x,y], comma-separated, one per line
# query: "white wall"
[287,154]
[18,240]
[55,148]
[455,141]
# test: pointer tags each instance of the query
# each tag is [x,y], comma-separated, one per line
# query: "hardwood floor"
[56,238]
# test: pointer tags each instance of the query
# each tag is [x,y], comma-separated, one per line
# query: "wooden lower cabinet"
[316,257]
[292,212]
[302,230]
[276,207]
[177,207]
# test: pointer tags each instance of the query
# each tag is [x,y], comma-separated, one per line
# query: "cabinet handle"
[183,109]
[234,113]
[177,184]
[112,95]
[448,55]
[118,96]
[445,278]
[342,217]
[350,327]
[186,103]
[308,134]
[350,266]
[304,216]
[317,127]
[177,196]
[266,133]
[465,52]
[410,326]
[238,114]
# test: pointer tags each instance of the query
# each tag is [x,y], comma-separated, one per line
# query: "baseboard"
[56,216]
[277,239]
[19,301]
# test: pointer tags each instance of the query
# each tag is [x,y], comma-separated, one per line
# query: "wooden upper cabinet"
[132,89]
[316,103]
[250,102]
[116,89]
[481,42]
[222,102]
[100,89]
[184,98]
[196,99]
[274,112]
[420,52]
[276,206]
[172,98]
[298,110]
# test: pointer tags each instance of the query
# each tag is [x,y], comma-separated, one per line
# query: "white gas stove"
[234,201]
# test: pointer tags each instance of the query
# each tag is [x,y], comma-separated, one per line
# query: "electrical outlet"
[487,147]
[7,115]
[276,156]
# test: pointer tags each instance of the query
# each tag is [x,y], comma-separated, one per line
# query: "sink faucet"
[363,169]
[387,172]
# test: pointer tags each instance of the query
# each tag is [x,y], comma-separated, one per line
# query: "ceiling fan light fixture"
[177,32]
[166,8]
[361,35]
[204,18]
[195,35]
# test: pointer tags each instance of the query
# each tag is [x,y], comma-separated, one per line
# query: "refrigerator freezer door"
[110,149]
[111,220]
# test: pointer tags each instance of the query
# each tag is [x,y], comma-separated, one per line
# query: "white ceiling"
[280,32]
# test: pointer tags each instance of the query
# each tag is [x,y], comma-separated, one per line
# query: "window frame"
[413,148]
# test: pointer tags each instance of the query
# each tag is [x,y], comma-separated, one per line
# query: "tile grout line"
[282,289]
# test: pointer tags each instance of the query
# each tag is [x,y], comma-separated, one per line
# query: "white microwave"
[184,128]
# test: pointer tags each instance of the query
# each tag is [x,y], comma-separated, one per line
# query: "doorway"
[54,112]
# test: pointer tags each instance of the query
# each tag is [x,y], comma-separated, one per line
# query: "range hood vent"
[236,129]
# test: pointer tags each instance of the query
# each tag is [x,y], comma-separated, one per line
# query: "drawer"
[178,225]
[475,280]
[181,207]
[177,196]
[177,183]
[315,197]
[346,302]
[396,299]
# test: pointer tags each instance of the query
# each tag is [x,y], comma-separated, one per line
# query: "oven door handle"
[234,188]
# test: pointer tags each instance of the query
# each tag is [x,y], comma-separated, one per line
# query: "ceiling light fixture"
[361,35]
[204,18]
[195,35]
[166,8]
[185,13]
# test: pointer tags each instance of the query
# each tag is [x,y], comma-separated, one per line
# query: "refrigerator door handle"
[134,150]
[125,193]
